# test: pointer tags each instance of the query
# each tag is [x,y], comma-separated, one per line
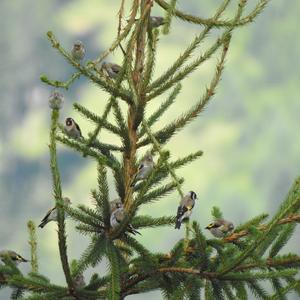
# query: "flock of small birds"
[218,228]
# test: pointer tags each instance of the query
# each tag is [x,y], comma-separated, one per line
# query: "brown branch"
[135,108]
[237,235]
[270,263]
[212,22]
[206,275]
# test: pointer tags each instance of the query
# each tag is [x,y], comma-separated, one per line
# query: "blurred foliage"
[248,132]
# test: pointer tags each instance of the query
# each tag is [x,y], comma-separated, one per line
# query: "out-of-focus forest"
[248,133]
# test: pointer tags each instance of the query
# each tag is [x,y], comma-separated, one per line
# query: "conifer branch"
[216,23]
[135,81]
[158,148]
[98,120]
[121,36]
[188,52]
[169,14]
[61,84]
[291,204]
[237,235]
[162,108]
[163,135]
[58,200]
[114,289]
[151,53]
[283,291]
[33,246]
[106,85]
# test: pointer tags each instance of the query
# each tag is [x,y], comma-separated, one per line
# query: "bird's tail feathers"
[178,224]
[43,223]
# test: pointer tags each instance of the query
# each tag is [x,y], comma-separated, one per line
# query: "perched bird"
[185,208]
[220,227]
[155,22]
[115,204]
[111,70]
[79,281]
[15,257]
[78,50]
[117,217]
[72,128]
[56,100]
[144,169]
[52,213]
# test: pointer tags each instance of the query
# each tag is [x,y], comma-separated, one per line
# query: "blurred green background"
[248,132]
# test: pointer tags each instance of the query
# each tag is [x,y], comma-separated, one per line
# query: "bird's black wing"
[78,128]
[180,212]
[48,214]
[116,68]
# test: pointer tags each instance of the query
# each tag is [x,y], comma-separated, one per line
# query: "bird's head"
[67,201]
[78,45]
[69,122]
[193,195]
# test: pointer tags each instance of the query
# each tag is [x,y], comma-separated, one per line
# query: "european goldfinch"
[144,169]
[15,257]
[72,129]
[115,204]
[156,21]
[117,217]
[52,213]
[111,70]
[185,208]
[78,50]
[220,227]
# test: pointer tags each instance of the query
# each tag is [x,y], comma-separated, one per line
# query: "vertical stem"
[136,108]
[58,201]
[158,148]
[33,246]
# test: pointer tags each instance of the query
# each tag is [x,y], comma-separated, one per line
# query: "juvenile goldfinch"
[72,129]
[111,70]
[15,257]
[79,281]
[184,210]
[56,100]
[52,213]
[78,50]
[144,169]
[156,21]
[115,204]
[116,219]
[220,227]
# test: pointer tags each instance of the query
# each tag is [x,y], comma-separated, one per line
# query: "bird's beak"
[22,259]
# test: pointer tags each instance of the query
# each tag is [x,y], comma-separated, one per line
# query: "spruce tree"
[233,265]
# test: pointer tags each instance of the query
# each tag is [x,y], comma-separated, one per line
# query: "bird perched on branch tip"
[78,50]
